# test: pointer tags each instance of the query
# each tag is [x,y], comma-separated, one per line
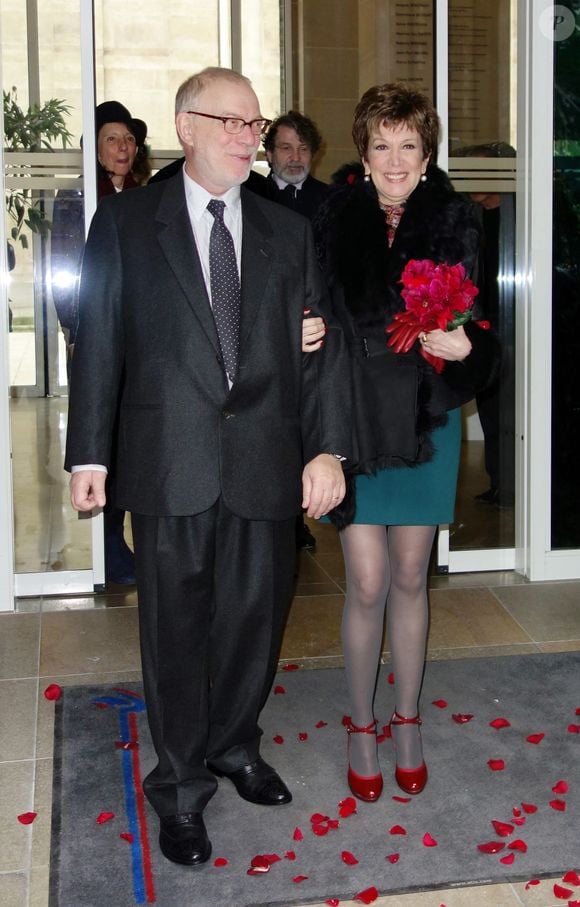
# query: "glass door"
[41,80]
[482,162]
[565,475]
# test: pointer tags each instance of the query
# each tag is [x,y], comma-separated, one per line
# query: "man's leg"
[254,585]
[488,410]
[175,576]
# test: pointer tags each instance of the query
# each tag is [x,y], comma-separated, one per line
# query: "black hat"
[139,131]
[114,112]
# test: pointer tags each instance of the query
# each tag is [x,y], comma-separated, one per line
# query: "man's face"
[216,159]
[487,200]
[291,158]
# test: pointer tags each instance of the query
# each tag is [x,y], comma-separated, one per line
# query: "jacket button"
[227,414]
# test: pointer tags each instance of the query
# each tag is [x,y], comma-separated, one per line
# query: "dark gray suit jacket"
[147,354]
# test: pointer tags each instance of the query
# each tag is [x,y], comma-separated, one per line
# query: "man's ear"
[184,127]
[268,156]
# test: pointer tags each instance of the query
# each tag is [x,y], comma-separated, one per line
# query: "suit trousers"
[214,591]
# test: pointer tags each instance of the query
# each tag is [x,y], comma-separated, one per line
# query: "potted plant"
[32,130]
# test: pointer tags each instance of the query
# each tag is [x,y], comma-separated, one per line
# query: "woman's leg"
[367,583]
[409,550]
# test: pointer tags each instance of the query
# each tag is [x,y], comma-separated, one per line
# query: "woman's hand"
[453,346]
[313,331]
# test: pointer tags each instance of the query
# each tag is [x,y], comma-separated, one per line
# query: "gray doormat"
[311,852]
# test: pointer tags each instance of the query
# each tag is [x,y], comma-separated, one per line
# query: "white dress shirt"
[201,220]
[282,184]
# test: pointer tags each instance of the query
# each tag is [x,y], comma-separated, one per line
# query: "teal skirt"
[421,495]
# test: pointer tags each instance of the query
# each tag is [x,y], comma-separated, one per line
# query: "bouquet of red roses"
[436,296]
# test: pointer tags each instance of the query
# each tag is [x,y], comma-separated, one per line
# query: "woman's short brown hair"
[392,105]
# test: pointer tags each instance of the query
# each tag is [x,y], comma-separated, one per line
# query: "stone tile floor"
[83,640]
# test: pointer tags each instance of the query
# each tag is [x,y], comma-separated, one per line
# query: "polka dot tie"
[225,287]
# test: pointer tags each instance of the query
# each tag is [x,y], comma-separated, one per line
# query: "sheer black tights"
[385,567]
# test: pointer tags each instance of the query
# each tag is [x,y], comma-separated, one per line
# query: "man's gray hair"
[189,91]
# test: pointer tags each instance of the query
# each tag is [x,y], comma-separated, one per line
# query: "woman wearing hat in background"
[122,163]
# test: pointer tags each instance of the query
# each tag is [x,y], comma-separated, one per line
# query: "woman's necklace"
[393,214]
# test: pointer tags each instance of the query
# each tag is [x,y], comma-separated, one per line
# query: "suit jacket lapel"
[257,260]
[176,240]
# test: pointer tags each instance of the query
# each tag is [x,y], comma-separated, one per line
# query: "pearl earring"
[367,177]
[423,177]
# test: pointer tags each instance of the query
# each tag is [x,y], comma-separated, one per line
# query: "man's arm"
[326,410]
[99,350]
[67,241]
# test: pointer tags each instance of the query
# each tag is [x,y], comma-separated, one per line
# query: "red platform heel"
[366,787]
[411,780]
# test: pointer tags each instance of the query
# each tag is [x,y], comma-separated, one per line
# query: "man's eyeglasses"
[235,125]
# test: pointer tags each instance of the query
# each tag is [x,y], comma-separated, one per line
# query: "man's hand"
[323,485]
[87,489]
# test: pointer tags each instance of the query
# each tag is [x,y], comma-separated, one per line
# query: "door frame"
[473,559]
[65,582]
[534,557]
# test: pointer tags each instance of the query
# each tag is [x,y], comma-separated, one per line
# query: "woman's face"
[395,162]
[116,149]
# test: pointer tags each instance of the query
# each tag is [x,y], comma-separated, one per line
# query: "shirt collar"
[282,183]
[198,197]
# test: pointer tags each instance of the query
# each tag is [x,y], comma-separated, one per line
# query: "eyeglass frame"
[211,116]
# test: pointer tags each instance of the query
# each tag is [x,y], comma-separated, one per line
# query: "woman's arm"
[479,368]
[313,331]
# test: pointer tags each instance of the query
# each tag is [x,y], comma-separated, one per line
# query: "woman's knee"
[368,589]
[409,575]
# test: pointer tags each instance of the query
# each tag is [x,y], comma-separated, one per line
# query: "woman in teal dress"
[394,207]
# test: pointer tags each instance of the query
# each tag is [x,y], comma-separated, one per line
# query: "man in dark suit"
[267,188]
[210,449]
[291,144]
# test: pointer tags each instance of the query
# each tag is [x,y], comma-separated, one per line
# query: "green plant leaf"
[31,130]
[37,127]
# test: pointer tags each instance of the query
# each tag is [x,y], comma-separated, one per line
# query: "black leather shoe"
[488,497]
[183,839]
[258,783]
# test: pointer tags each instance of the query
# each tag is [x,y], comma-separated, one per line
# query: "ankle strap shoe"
[366,787]
[410,780]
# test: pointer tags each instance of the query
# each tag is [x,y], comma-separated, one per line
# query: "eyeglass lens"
[235,125]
